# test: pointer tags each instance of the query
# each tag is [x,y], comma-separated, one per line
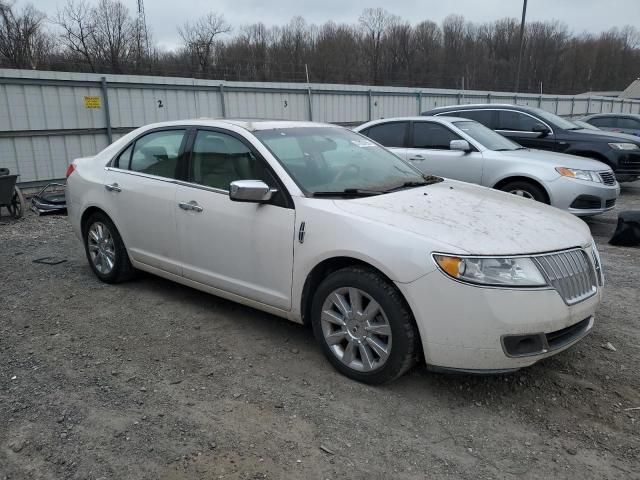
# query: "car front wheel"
[364,325]
[526,190]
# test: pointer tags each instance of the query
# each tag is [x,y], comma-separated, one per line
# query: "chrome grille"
[608,178]
[570,273]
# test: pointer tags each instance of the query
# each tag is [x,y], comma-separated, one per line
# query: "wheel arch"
[522,178]
[326,267]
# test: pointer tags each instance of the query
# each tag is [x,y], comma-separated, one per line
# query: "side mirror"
[541,129]
[252,191]
[460,145]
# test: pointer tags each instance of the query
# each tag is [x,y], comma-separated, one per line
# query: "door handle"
[192,206]
[114,187]
[416,158]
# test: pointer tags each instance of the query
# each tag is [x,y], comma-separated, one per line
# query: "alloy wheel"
[522,193]
[101,248]
[356,329]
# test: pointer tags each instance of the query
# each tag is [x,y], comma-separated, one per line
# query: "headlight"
[509,272]
[589,175]
[624,146]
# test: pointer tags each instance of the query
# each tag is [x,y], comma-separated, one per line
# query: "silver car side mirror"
[253,191]
[459,145]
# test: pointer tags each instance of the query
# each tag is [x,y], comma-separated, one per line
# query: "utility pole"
[524,14]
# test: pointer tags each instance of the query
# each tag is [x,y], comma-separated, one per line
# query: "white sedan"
[317,224]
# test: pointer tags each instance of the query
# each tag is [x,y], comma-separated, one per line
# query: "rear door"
[140,196]
[628,125]
[429,151]
[519,127]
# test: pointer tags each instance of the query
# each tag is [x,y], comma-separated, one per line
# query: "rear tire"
[525,189]
[105,250]
[364,326]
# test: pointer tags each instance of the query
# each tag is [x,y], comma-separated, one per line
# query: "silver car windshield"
[324,160]
[485,136]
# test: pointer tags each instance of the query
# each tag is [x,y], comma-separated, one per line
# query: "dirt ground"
[152,380]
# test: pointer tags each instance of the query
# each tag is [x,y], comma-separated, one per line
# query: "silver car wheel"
[356,329]
[101,247]
[522,193]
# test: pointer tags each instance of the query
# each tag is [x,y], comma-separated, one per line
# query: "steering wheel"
[343,171]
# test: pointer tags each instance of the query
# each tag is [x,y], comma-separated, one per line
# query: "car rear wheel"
[105,250]
[364,325]
[526,190]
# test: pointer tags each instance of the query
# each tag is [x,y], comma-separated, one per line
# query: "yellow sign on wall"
[92,102]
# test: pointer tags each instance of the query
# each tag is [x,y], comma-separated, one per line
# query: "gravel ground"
[150,379]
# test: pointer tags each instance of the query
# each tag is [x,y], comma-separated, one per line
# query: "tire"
[366,361]
[106,253]
[526,189]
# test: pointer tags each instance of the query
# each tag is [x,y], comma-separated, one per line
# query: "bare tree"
[103,36]
[23,41]
[200,37]
[374,22]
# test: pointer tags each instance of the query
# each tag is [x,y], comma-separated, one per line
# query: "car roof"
[478,105]
[417,118]
[250,124]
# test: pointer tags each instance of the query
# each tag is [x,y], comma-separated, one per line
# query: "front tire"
[527,190]
[364,326]
[105,249]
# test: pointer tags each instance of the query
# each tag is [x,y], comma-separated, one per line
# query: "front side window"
[389,134]
[334,159]
[432,135]
[515,121]
[630,123]
[157,153]
[606,122]
[219,159]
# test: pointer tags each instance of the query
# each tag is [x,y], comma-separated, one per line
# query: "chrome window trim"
[444,114]
[175,181]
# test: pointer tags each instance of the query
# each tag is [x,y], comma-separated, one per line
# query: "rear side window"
[606,122]
[124,158]
[485,117]
[389,134]
[432,135]
[157,153]
[516,121]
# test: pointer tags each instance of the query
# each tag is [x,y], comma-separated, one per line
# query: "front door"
[140,196]
[242,248]
[429,151]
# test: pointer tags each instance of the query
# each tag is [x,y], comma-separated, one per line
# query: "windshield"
[485,136]
[333,159]
[555,119]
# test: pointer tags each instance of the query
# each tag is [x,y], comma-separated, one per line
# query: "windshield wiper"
[348,192]
[427,180]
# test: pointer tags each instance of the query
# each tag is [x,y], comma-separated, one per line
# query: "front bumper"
[583,198]
[463,327]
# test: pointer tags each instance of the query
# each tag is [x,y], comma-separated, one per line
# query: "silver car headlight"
[597,264]
[624,146]
[589,175]
[492,271]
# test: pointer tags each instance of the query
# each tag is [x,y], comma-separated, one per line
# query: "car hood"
[605,136]
[473,219]
[553,159]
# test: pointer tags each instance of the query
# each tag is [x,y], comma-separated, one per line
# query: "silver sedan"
[466,150]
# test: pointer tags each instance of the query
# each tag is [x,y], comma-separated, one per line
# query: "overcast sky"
[580,15]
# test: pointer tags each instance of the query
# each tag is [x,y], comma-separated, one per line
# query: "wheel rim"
[101,248]
[356,329]
[522,193]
